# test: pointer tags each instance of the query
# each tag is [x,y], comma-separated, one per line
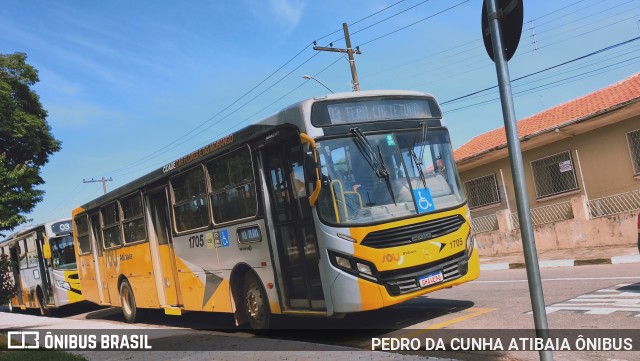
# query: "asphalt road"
[598,297]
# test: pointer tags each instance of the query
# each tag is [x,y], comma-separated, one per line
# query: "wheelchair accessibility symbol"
[424,201]
[224,237]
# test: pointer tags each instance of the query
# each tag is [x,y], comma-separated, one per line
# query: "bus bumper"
[373,295]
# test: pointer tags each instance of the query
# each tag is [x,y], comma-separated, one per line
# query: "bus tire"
[131,312]
[256,303]
[44,311]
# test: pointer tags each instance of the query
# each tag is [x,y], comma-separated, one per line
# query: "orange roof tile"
[580,108]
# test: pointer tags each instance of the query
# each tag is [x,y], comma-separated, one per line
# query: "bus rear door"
[161,245]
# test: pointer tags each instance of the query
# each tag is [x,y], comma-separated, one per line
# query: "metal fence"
[618,203]
[484,224]
[547,214]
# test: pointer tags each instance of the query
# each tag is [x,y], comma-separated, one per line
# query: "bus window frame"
[207,186]
[32,254]
[124,242]
[104,226]
[77,235]
[22,249]
[211,191]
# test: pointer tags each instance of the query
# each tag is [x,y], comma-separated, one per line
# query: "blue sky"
[130,86]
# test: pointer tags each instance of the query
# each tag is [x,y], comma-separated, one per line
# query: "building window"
[482,191]
[233,194]
[634,147]
[190,206]
[554,175]
[133,220]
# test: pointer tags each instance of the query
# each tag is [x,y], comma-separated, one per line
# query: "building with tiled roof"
[584,153]
[581,109]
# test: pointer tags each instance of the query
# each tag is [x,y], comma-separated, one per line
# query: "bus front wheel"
[130,311]
[256,304]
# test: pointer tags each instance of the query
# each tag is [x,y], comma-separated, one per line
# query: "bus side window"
[190,206]
[23,253]
[233,193]
[82,227]
[32,254]
[111,226]
[133,222]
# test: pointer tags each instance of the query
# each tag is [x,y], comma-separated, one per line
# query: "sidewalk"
[565,258]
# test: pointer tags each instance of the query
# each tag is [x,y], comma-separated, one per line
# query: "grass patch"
[34,355]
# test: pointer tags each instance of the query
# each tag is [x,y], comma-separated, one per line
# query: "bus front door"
[161,244]
[293,225]
[15,268]
[99,261]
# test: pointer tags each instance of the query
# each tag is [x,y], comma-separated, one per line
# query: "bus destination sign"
[249,234]
[374,110]
[61,227]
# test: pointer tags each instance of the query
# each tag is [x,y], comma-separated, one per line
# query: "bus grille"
[414,233]
[402,281]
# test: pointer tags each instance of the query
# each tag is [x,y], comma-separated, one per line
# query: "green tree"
[7,286]
[26,141]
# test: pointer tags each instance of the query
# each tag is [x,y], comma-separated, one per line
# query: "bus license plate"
[431,278]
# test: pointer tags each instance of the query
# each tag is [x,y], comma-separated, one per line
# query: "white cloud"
[289,10]
[285,13]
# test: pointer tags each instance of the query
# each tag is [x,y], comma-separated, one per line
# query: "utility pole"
[103,180]
[349,51]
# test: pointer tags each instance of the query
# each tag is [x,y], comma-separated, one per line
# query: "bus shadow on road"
[410,314]
[357,329]
[633,288]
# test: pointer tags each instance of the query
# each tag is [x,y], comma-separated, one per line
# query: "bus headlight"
[354,266]
[363,268]
[343,262]
[471,242]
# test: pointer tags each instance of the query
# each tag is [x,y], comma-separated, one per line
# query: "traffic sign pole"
[515,158]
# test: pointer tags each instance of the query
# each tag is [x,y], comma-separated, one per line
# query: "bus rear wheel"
[256,304]
[131,312]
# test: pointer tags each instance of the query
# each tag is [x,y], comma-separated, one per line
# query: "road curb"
[561,263]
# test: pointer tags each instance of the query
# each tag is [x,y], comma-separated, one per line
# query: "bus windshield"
[369,178]
[62,253]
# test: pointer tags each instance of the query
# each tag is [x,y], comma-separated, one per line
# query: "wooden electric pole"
[103,180]
[349,51]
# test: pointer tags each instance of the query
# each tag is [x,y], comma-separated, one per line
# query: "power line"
[414,23]
[164,149]
[547,85]
[361,20]
[546,69]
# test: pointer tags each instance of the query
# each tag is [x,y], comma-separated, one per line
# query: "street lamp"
[319,82]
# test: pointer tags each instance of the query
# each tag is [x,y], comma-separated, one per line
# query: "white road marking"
[602,302]
[563,279]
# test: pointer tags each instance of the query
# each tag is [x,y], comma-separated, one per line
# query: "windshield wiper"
[387,178]
[369,154]
[375,160]
[418,164]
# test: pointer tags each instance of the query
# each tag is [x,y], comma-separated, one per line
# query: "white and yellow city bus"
[338,204]
[43,266]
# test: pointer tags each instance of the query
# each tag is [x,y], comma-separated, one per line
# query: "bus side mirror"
[311,171]
[46,250]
